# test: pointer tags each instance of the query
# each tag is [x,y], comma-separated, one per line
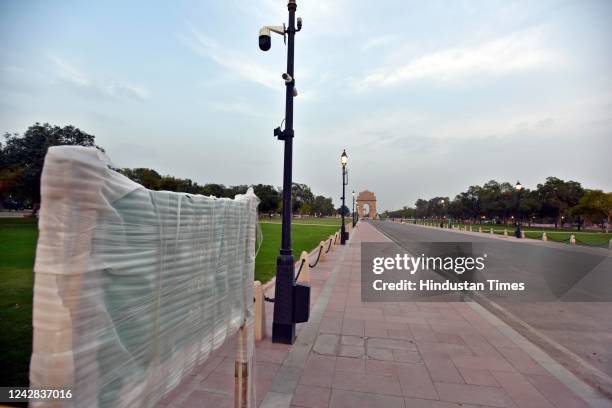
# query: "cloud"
[502,56]
[108,88]
[378,41]
[232,61]
[238,106]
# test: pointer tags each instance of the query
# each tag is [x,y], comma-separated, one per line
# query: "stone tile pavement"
[354,354]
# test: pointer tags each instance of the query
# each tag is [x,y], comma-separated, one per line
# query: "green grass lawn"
[326,221]
[590,238]
[17,246]
[304,238]
[17,249]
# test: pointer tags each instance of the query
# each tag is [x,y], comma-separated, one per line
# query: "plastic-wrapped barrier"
[133,287]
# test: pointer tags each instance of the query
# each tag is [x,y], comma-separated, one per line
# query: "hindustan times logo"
[412,264]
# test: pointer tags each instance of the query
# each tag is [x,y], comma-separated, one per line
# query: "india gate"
[366,198]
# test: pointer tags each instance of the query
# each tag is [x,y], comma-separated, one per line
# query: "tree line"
[22,158]
[555,201]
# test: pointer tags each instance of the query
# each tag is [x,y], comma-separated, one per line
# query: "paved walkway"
[354,354]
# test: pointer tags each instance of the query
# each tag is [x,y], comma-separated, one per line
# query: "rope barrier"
[300,270]
[329,246]
[316,262]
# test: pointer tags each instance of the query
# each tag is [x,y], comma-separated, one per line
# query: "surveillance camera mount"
[283,134]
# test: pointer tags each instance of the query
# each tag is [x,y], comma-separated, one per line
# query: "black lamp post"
[353,218]
[518,187]
[343,161]
[289,296]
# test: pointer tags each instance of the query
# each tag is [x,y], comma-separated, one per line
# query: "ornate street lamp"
[343,161]
[291,299]
[518,187]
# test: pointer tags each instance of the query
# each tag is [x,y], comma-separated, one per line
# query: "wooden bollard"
[522,234]
[304,276]
[573,239]
[491,232]
[544,237]
[505,232]
[259,314]
[610,244]
[323,246]
[470,228]
[480,229]
[244,390]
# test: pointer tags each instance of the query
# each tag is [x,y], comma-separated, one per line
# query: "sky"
[427,97]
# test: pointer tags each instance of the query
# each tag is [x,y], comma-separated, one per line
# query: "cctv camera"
[299,23]
[265,40]
[287,78]
[295,93]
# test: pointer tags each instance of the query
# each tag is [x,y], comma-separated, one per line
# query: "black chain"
[300,270]
[318,257]
[329,246]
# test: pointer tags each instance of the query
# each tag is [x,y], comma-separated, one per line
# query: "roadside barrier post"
[505,232]
[491,232]
[259,312]
[304,275]
[323,247]
[479,229]
[544,237]
[573,239]
[244,392]
[522,234]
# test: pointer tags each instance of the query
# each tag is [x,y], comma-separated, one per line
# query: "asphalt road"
[568,308]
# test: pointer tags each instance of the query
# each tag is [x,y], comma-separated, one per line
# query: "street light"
[291,299]
[441,202]
[518,187]
[343,161]
[353,209]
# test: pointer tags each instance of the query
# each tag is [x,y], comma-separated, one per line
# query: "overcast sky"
[427,97]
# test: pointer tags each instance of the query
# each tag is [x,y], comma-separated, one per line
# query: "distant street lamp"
[353,209]
[441,202]
[343,161]
[518,187]
[291,299]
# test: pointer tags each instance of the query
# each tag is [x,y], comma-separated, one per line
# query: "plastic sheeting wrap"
[133,287]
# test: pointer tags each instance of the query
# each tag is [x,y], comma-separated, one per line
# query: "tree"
[597,206]
[344,209]
[421,208]
[557,196]
[300,195]
[323,206]
[215,190]
[269,198]
[149,178]
[233,191]
[23,156]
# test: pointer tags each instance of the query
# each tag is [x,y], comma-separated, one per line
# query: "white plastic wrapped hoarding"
[133,287]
